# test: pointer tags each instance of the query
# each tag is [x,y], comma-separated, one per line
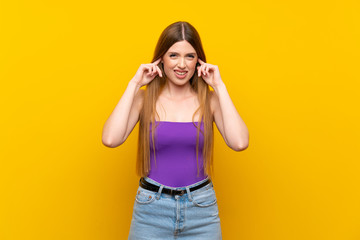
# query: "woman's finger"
[200,61]
[203,70]
[147,69]
[153,69]
[157,61]
[207,68]
[159,71]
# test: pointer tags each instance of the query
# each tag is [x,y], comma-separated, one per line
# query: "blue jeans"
[193,215]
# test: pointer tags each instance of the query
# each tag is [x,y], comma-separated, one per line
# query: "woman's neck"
[177,92]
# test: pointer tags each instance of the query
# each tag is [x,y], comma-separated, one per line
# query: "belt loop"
[189,194]
[159,192]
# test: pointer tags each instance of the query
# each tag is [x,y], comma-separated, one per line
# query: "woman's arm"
[227,119]
[126,113]
[124,117]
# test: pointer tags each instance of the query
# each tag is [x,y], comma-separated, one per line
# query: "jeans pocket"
[145,196]
[204,198]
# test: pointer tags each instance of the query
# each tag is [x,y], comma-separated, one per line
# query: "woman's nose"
[181,63]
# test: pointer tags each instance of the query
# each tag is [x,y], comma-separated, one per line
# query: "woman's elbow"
[107,143]
[110,143]
[240,148]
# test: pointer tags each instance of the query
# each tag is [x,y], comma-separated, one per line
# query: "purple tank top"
[175,149]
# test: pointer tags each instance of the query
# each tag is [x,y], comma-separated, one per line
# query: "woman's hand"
[210,73]
[146,73]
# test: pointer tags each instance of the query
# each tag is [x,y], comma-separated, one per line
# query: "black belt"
[149,186]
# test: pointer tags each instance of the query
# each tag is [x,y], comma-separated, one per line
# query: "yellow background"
[291,68]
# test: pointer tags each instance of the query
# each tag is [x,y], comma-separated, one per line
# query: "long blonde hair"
[175,32]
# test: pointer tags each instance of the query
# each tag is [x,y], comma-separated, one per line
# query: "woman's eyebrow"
[185,54]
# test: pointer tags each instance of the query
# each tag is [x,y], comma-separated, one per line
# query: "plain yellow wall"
[291,68]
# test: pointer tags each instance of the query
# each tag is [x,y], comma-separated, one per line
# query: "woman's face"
[180,62]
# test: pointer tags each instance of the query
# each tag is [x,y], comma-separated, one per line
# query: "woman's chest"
[177,111]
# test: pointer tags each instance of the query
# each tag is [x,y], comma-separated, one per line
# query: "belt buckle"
[182,192]
[173,191]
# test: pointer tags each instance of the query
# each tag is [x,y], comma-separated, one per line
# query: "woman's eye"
[192,56]
[172,55]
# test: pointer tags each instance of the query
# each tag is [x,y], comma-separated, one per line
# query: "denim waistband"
[186,188]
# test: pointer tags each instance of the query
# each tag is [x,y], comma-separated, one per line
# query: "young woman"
[176,111]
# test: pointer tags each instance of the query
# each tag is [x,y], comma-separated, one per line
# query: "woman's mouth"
[180,74]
